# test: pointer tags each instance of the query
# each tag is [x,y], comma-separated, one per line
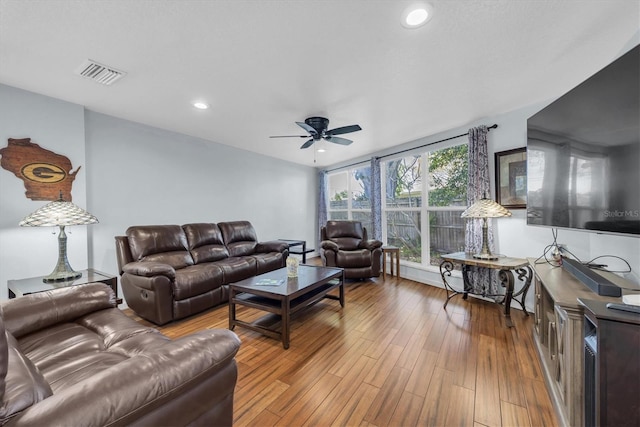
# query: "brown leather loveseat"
[169,272]
[70,357]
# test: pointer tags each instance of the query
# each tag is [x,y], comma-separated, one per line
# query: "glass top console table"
[506,266]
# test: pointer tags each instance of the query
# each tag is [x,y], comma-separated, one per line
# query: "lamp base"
[485,253]
[62,276]
[62,271]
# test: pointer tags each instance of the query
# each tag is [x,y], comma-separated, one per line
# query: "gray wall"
[134,174]
[57,126]
[144,175]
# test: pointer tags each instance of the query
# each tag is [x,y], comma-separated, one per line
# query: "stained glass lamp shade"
[60,213]
[485,208]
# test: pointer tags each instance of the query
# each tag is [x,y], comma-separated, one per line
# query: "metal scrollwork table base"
[505,266]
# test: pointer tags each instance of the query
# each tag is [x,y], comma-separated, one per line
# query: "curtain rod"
[494,126]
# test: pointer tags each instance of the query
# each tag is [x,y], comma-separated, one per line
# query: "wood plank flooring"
[391,357]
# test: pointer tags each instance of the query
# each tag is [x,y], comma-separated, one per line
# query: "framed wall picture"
[511,178]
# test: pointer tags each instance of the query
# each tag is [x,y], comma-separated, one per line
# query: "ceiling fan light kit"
[316,128]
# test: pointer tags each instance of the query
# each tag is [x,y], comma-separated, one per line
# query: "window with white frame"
[350,196]
[421,212]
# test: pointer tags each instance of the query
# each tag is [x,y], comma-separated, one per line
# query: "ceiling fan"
[316,128]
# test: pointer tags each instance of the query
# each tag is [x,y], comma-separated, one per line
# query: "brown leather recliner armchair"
[345,244]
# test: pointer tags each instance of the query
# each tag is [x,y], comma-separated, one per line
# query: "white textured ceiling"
[263,65]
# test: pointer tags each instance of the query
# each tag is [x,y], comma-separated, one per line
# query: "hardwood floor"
[391,357]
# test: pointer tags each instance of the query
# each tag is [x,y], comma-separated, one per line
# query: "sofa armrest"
[329,245]
[40,310]
[370,244]
[146,387]
[123,252]
[149,269]
[272,246]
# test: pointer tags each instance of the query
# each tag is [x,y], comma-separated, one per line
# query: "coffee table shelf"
[312,285]
[274,306]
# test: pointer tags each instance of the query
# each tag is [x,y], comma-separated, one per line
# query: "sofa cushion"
[236,269]
[205,242]
[177,259]
[160,243]
[196,279]
[42,309]
[268,261]
[239,237]
[354,259]
[69,353]
[24,384]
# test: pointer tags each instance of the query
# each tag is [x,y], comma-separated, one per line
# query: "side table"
[506,267]
[21,287]
[393,252]
[294,243]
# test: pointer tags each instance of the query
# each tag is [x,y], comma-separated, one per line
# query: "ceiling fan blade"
[343,129]
[289,136]
[308,144]
[338,140]
[308,128]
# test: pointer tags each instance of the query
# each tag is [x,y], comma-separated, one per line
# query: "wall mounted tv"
[583,154]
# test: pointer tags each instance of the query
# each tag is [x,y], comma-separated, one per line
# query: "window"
[423,196]
[422,216]
[402,211]
[350,196]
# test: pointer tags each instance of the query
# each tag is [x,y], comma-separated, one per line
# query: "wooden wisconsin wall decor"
[45,174]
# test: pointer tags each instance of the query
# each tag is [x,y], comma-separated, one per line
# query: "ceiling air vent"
[100,73]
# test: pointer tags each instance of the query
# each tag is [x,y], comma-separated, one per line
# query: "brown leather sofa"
[169,272]
[345,244]
[70,357]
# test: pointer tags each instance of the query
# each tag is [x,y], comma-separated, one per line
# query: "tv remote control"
[624,307]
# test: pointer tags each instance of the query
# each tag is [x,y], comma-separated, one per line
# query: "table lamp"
[60,213]
[485,208]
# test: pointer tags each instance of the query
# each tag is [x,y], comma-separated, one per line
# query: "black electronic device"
[583,152]
[624,307]
[593,280]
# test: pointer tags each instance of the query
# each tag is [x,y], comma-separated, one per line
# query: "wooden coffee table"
[283,296]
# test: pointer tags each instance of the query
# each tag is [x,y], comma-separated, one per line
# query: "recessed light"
[201,105]
[416,16]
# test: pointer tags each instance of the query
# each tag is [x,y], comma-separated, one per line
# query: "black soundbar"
[593,280]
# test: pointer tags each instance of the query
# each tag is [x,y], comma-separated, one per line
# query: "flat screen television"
[583,154]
